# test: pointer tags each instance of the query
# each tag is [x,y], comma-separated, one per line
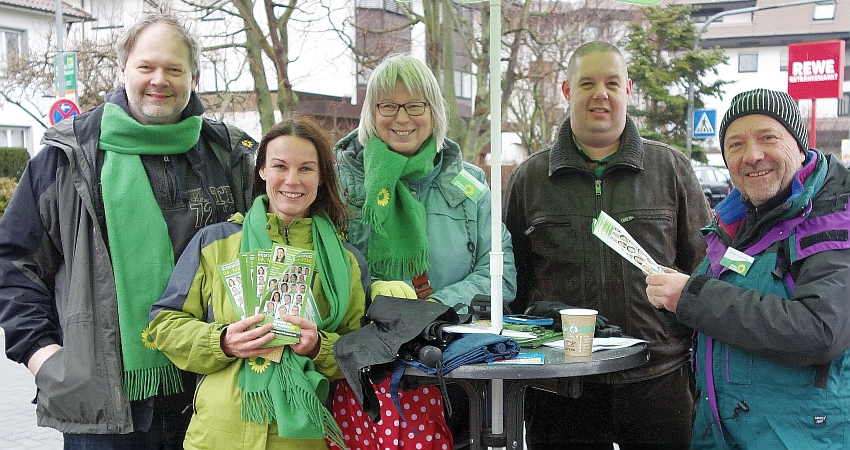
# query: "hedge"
[12,161]
[7,186]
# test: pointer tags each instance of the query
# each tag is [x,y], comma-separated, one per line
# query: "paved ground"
[18,430]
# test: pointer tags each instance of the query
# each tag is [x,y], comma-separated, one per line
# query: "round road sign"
[62,109]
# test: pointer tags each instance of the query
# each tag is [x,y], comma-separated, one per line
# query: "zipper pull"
[598,184]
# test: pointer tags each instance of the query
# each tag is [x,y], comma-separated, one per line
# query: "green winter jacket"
[187,324]
[777,338]
[458,228]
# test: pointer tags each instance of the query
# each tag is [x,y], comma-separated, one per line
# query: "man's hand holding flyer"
[615,236]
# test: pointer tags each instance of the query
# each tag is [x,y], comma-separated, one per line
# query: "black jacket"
[56,282]
[650,188]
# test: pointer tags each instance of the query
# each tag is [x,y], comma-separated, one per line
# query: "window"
[590,34]
[748,62]
[386,5]
[13,137]
[783,60]
[844,105]
[824,11]
[12,41]
[463,84]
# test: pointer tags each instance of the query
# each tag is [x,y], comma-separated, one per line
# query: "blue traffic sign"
[705,123]
[62,109]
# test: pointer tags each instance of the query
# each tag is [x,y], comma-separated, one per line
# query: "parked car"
[715,183]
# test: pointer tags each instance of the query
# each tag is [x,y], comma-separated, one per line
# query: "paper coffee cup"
[578,326]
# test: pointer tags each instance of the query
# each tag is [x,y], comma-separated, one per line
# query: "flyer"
[273,282]
[231,274]
[615,236]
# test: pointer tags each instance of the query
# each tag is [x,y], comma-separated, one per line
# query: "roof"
[69,12]
[778,26]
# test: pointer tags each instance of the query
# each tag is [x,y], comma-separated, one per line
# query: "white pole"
[497,257]
[60,59]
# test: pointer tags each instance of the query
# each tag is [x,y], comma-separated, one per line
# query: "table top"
[556,365]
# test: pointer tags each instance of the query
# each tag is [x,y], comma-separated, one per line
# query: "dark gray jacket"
[650,188]
[56,280]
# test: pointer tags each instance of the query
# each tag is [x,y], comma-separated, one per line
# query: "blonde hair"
[418,79]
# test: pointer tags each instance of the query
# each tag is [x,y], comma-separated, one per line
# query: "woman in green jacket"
[422,217]
[245,398]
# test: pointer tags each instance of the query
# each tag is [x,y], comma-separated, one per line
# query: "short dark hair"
[327,198]
[592,47]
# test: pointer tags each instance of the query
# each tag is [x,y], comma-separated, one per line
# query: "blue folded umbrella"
[468,349]
[472,348]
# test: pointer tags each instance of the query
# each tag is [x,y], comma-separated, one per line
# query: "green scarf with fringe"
[139,245]
[398,245]
[292,392]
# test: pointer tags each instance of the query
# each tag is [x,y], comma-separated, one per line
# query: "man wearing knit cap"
[770,301]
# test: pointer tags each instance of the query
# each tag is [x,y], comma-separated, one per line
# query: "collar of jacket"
[564,155]
[450,166]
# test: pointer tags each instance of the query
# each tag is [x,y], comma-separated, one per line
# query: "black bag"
[393,324]
[551,309]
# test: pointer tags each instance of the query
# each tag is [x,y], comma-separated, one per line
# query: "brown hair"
[327,197]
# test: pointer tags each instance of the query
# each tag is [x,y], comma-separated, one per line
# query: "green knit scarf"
[398,245]
[292,392]
[140,248]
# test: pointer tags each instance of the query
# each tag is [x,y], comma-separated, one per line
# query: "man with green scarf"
[90,237]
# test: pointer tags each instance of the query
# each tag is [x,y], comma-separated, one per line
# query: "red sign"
[62,109]
[816,70]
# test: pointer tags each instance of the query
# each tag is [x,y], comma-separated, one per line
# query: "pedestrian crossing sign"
[705,123]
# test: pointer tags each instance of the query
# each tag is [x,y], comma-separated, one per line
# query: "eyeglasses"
[411,108]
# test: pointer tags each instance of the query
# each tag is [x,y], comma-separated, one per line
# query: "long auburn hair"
[327,197]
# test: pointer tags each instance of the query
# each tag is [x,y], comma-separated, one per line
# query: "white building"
[757,42]
[28,25]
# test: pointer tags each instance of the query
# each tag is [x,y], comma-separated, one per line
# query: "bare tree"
[25,80]
[28,79]
[536,39]
[97,70]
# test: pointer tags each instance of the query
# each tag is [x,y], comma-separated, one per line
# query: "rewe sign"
[816,70]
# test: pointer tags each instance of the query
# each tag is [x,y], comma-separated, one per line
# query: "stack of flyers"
[231,274]
[615,236]
[273,282]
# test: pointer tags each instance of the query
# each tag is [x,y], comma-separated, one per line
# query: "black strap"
[822,375]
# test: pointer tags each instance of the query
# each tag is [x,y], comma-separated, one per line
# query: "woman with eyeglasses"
[422,217]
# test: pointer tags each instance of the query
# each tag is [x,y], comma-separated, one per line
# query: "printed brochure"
[273,282]
[615,236]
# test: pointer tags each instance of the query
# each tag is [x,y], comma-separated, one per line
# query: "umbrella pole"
[496,254]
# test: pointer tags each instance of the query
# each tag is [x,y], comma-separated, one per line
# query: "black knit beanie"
[776,104]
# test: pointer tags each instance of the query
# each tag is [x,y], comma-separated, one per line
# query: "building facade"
[756,41]
[28,27]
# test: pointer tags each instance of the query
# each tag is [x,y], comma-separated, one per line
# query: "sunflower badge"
[259,364]
[383,197]
[147,339]
[247,143]
[469,185]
